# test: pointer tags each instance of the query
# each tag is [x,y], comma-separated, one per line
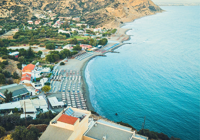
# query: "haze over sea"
[157,75]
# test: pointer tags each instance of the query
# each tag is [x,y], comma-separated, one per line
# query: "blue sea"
[157,75]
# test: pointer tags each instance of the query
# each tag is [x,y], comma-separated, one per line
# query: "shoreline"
[85,88]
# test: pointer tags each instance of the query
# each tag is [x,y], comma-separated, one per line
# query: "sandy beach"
[114,42]
[85,89]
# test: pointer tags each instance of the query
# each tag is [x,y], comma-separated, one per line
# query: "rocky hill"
[96,12]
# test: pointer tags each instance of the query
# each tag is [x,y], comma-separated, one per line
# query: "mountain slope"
[96,12]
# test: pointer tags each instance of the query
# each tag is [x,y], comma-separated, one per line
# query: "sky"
[176,1]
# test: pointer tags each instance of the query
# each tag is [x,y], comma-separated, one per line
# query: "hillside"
[96,12]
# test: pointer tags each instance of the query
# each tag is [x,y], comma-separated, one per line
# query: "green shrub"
[2,131]
[5,62]
[5,57]
[62,63]
[19,66]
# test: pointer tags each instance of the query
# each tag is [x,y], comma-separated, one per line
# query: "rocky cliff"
[96,12]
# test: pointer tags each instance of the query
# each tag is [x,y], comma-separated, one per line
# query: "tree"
[85,41]
[73,41]
[30,53]
[56,57]
[46,89]
[15,75]
[93,42]
[103,41]
[75,32]
[32,134]
[33,18]
[1,43]
[77,48]
[2,79]
[49,58]
[2,131]
[19,133]
[5,62]
[39,53]
[42,31]
[8,96]
[22,133]
[50,46]
[16,36]
[7,74]
[19,65]
[60,36]
[21,59]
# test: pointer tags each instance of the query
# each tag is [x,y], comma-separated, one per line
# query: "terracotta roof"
[28,68]
[85,46]
[26,76]
[67,119]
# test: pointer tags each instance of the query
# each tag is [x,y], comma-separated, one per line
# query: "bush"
[62,63]
[77,48]
[12,44]
[50,46]
[10,81]
[15,75]
[22,133]
[7,74]
[155,135]
[5,62]
[2,79]
[19,66]
[2,131]
[2,65]
[5,57]
[103,41]
[48,84]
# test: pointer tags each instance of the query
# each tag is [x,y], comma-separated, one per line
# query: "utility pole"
[25,112]
[144,122]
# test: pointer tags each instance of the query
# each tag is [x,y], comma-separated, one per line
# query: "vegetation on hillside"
[10,121]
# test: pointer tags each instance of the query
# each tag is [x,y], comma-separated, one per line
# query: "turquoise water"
[157,75]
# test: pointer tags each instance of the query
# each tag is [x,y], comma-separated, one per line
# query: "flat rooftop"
[75,114]
[100,130]
[54,133]
[16,89]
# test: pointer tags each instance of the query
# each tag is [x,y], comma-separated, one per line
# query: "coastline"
[85,88]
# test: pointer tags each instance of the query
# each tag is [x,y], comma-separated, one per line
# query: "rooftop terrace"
[111,132]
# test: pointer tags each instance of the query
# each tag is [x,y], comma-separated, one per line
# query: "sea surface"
[157,76]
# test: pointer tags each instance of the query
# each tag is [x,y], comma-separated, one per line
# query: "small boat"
[116,114]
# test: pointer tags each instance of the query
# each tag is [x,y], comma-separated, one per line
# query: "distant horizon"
[175,1]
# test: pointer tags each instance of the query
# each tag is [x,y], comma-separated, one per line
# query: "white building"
[74,29]
[62,31]
[97,30]
[30,22]
[28,106]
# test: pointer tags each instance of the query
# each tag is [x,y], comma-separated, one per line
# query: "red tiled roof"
[85,46]
[67,119]
[28,68]
[26,76]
